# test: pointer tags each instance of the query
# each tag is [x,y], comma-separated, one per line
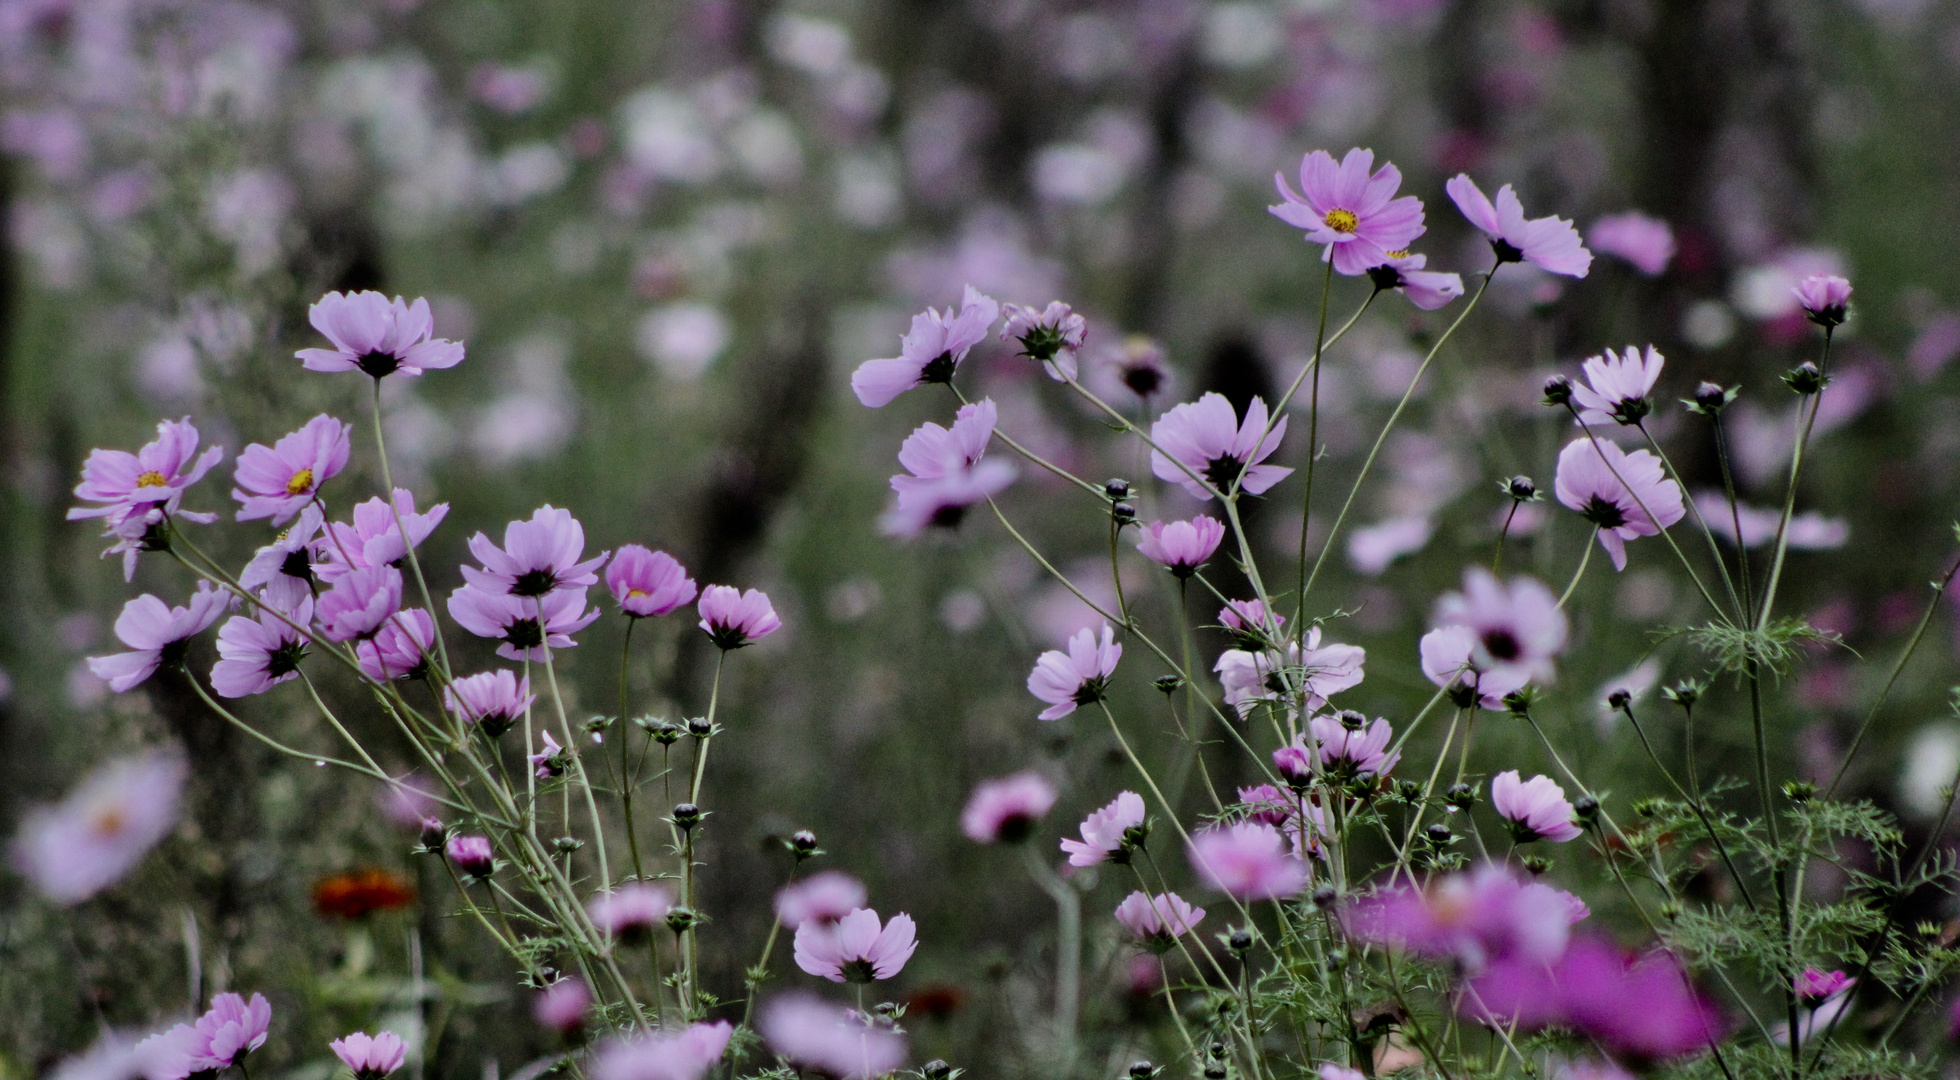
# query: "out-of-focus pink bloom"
[1814,985]
[96,836]
[1330,1071]
[1351,207]
[823,897]
[856,948]
[407,801]
[1349,745]
[472,856]
[375,539]
[829,1038]
[360,604]
[561,1006]
[1249,861]
[492,700]
[1517,629]
[1535,809]
[282,572]
[1617,386]
[1935,346]
[1157,921]
[257,654]
[400,649]
[126,485]
[1247,621]
[509,90]
[1372,548]
[1050,336]
[1267,804]
[930,353]
[1824,298]
[1449,659]
[648,582]
[732,618]
[527,625]
[232,1029]
[631,910]
[1551,243]
[946,472]
[377,336]
[1296,764]
[1106,833]
[1181,546]
[1646,242]
[1006,810]
[1317,672]
[1477,917]
[276,481]
[539,556]
[547,761]
[166,1055]
[1135,364]
[1426,289]
[1206,437]
[371,1058]
[1638,1007]
[1624,495]
[686,1054]
[1077,677]
[1808,531]
[157,635]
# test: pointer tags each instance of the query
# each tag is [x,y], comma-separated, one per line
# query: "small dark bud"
[432,836]
[598,725]
[1519,702]
[565,845]
[1215,1071]
[1124,513]
[665,732]
[1460,797]
[1117,490]
[1805,378]
[803,844]
[1558,391]
[1439,834]
[680,919]
[936,1070]
[1240,941]
[1142,1070]
[1710,399]
[1799,791]
[1324,897]
[1218,1050]
[700,728]
[687,816]
[1684,693]
[1169,684]
[1620,699]
[885,1009]
[1647,807]
[1352,720]
[1408,790]
[1536,864]
[1521,489]
[1586,809]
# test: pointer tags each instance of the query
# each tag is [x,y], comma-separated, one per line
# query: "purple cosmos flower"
[823,897]
[1644,241]
[648,582]
[1267,804]
[276,481]
[1316,672]
[472,856]
[1049,336]
[1250,623]
[1449,658]
[732,618]
[258,653]
[829,1038]
[232,1029]
[1351,207]
[126,485]
[1478,917]
[539,556]
[282,572]
[1077,677]
[377,336]
[1351,746]
[930,353]
[1206,437]
[375,539]
[1109,834]
[96,836]
[166,1055]
[527,625]
[1249,860]
[1181,546]
[158,635]
[1814,985]
[1824,298]
[371,1058]
[1157,921]
[686,1054]
[549,761]
[1007,810]
[1426,289]
[561,1006]
[1624,495]
[856,948]
[400,649]
[630,911]
[1534,809]
[1638,1007]
[143,532]
[1617,386]
[1550,242]
[360,604]
[947,474]
[1517,629]
[492,700]
[1135,364]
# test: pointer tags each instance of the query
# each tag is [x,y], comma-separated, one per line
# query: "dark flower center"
[1221,472]
[172,655]
[1090,692]
[1606,515]
[297,565]
[1506,252]
[1631,410]
[378,364]
[948,517]
[1502,644]
[939,369]
[727,637]
[1015,828]
[285,659]
[1143,381]
[525,634]
[1384,277]
[534,582]
[858,971]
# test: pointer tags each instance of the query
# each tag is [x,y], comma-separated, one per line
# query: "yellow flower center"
[1402,254]
[108,821]
[302,481]
[630,593]
[1342,220]
[152,478]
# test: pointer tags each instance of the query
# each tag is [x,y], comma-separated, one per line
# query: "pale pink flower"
[1267,804]
[1372,548]
[946,472]
[856,948]
[1350,207]
[1207,438]
[547,761]
[1181,546]
[371,1058]
[1316,672]
[633,909]
[1158,920]
[829,1038]
[561,1006]
[232,1029]
[282,573]
[648,582]
[157,635]
[375,538]
[1646,242]
[1350,745]
[1007,810]
[1249,860]
[400,649]
[687,1054]
[377,336]
[96,836]
[1449,659]
[1552,243]
[1246,621]
[1824,298]
[472,856]
[1517,630]
[1591,1070]
[823,897]
[1624,495]
[930,353]
[1050,336]
[1535,809]
[126,485]
[493,700]
[526,625]
[1077,677]
[360,603]
[1426,289]
[732,618]
[1330,1071]
[1808,531]
[1107,833]
[1617,386]
[276,481]
[1477,917]
[166,1055]
[539,556]
[256,654]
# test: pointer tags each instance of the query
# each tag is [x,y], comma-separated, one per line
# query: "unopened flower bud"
[1352,720]
[1536,864]
[681,919]
[1519,702]
[1324,897]
[1684,693]
[687,816]
[936,1070]
[1117,490]
[1408,791]
[1218,1050]
[1142,1070]
[1240,941]
[1670,911]
[665,732]
[803,844]
[1124,513]
[472,856]
[1439,834]
[1460,797]
[1928,929]
[885,1009]
[1521,489]
[432,836]
[1799,791]
[1806,378]
[565,845]
[1586,809]
[1620,699]
[1169,684]
[700,728]
[1558,390]
[1710,398]
[1215,1071]
[1647,807]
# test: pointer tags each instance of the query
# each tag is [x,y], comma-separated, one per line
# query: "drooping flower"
[1049,336]
[823,897]
[527,625]
[282,572]
[630,911]
[1449,658]
[1824,298]
[561,1006]
[648,582]
[258,653]
[1249,860]
[1617,386]
[1206,437]
[539,557]
[1349,745]
[687,1054]
[829,1038]
[1077,677]
[1534,809]
[856,948]
[157,635]
[930,353]
[1157,921]
[1646,242]
[1007,810]
[360,604]
[277,481]
[1624,495]
[492,700]
[1478,917]
[96,835]
[1552,243]
[1426,289]
[1246,621]
[549,761]
[733,618]
[377,336]
[1516,630]
[1315,672]
[472,856]
[371,1058]
[1108,834]
[375,537]
[126,485]
[230,1030]
[1814,985]
[400,649]
[1351,207]
[1181,546]
[947,472]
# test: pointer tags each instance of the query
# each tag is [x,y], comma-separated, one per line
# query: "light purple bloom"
[1330,1071]
[258,653]
[1535,809]
[1246,621]
[539,556]
[1249,860]
[825,896]
[648,582]
[157,635]
[360,604]
[1006,810]
[1135,364]
[374,539]
[1350,207]
[1824,298]
[686,1054]
[1357,750]
[400,649]
[126,485]
[282,572]
[547,761]
[829,1038]
[1449,659]
[232,1029]
[1077,677]
[1181,546]
[472,856]
[630,910]
[166,1055]
[1646,242]
[1207,438]
[96,835]
[1517,629]
[1050,336]
[377,336]
[1158,920]
[276,481]
[1106,833]
[1552,243]
[930,353]
[1426,289]
[527,625]
[947,473]
[493,700]
[371,1058]
[1808,531]
[561,1006]
[1814,985]
[1617,386]
[1477,917]
[1624,495]
[856,948]
[1316,672]
[732,618]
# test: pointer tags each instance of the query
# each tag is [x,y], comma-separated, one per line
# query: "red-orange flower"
[360,892]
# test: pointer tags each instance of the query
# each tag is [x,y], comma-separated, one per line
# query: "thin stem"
[1584,560]
[625,774]
[414,564]
[1790,493]
[1918,635]
[1313,440]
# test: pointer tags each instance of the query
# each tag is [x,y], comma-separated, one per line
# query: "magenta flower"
[1247,621]
[256,654]
[371,1058]
[1637,1007]
[1205,437]
[1814,985]
[1824,298]
[360,603]
[1267,804]
[1350,207]
[947,474]
[126,485]
[856,948]
[1049,336]
[549,762]
[1617,386]
[1534,809]
[687,1054]
[1157,921]
[630,911]
[1479,917]
[561,1006]
[1077,677]
[527,625]
[400,649]
[157,635]
[377,336]
[96,836]
[472,856]
[375,539]
[648,582]
[282,572]
[1351,746]
[1316,672]
[733,619]
[1624,495]
[1552,243]
[829,1038]
[823,897]
[1181,546]
[1644,241]
[276,481]
[930,353]
[1516,631]
[1249,860]
[492,700]
[229,1031]
[1007,810]
[1426,289]
[1109,834]
[539,556]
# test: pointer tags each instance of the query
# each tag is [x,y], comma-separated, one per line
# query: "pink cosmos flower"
[1350,745]
[1552,243]
[539,556]
[1135,364]
[276,481]
[1007,810]
[1426,289]
[1824,298]
[1350,207]
[930,353]
[1316,672]
[1808,531]
[371,1058]
[823,897]
[526,625]
[1638,1007]
[1449,658]
[400,649]
[256,654]
[856,948]
[732,618]
[1107,833]
[141,532]
[1207,438]
[1814,985]
[1624,495]
[377,336]
[282,572]
[125,485]
[232,1029]
[1617,386]
[547,761]
[1247,621]
[492,700]
[1646,242]
[631,910]
[1051,336]
[96,836]
[1181,546]
[648,582]
[157,635]
[1158,920]
[1590,1070]
[1249,860]
[1267,804]
[472,856]
[1517,629]
[166,1055]
[829,1038]
[1478,917]
[687,1054]
[360,604]
[561,1006]
[1535,809]
[947,473]
[1077,677]
[375,539]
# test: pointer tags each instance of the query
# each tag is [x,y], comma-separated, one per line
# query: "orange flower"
[357,893]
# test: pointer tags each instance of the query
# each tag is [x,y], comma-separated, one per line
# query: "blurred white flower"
[816,47]
[682,339]
[665,134]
